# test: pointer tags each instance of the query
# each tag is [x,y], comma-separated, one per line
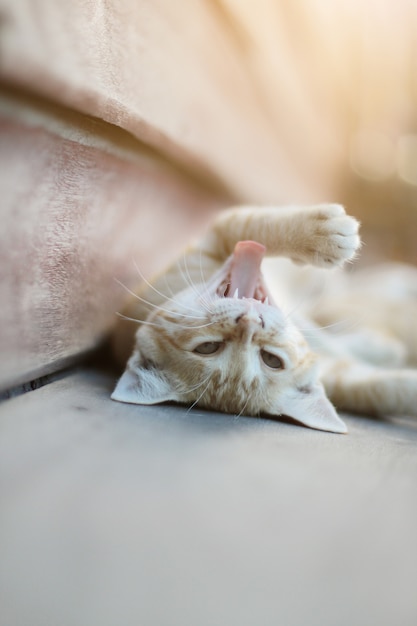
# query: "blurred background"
[340,79]
[282,101]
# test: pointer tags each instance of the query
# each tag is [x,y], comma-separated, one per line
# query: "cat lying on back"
[214,332]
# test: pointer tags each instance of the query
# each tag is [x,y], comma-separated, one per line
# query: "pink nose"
[250,317]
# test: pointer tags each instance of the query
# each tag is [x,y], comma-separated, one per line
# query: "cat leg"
[321,235]
[374,346]
[361,388]
[384,315]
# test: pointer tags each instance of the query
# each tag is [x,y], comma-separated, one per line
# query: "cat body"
[215,332]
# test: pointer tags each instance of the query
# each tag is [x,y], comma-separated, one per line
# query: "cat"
[219,336]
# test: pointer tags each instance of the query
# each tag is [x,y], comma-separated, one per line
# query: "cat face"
[226,346]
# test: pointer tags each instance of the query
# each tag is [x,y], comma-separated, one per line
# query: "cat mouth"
[243,279]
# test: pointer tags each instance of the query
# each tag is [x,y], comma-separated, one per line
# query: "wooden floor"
[121,515]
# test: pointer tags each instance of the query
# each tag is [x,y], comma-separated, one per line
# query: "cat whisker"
[351,324]
[195,387]
[189,282]
[197,291]
[133,319]
[200,396]
[159,293]
[148,323]
[169,289]
[145,280]
[297,306]
[236,417]
[203,278]
[210,295]
[155,306]
[206,299]
[187,276]
[317,285]
[193,327]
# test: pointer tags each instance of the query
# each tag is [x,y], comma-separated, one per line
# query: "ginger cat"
[213,332]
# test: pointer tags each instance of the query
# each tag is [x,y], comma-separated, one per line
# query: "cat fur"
[337,339]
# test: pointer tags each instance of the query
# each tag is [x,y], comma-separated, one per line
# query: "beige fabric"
[74,219]
[173,74]
[255,91]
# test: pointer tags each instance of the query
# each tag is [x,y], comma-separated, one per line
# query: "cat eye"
[272,360]
[208,347]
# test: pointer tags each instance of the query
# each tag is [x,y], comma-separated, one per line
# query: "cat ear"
[144,385]
[312,408]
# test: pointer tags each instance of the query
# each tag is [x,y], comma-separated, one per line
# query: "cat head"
[226,346]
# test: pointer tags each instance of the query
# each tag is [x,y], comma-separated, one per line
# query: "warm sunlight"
[355,63]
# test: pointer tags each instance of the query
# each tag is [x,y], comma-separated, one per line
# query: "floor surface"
[138,516]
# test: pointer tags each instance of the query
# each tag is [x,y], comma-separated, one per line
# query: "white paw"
[330,237]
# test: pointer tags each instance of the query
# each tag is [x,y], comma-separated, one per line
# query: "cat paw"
[330,237]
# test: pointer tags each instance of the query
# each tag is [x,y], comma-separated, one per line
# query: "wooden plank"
[117,514]
[77,209]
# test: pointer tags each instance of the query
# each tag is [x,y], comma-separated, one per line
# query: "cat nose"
[250,317]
